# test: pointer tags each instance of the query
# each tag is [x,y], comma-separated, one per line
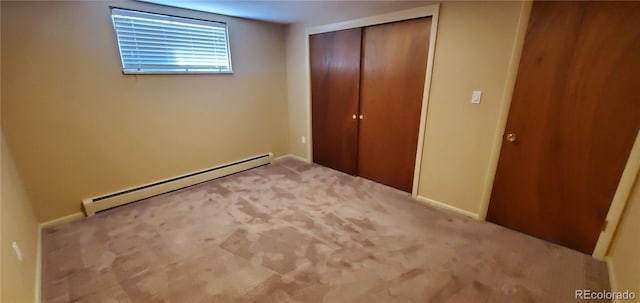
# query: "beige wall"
[473,52]
[19,224]
[80,128]
[625,248]
[297,89]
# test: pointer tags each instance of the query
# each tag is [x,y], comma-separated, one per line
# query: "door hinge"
[604,225]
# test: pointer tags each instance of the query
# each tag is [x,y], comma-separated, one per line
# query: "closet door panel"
[394,59]
[335,84]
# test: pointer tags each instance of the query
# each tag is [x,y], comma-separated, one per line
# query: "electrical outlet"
[303,139]
[17,250]
[475,96]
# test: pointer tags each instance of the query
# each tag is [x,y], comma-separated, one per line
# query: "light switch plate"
[476,95]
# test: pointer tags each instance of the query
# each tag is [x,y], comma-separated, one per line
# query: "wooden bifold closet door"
[367,88]
[335,85]
[394,61]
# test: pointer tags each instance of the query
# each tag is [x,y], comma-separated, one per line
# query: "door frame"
[627,180]
[432,11]
[629,177]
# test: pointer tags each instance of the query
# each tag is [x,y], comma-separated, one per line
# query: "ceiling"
[287,12]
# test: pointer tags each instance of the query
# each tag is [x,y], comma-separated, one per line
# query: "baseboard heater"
[93,205]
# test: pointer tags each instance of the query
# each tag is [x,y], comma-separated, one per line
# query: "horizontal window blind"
[154,43]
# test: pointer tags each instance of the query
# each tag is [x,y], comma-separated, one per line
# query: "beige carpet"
[297,232]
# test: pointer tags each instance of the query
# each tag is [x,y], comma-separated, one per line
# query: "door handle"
[361,117]
[512,138]
[353,117]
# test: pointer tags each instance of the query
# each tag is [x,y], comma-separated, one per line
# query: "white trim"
[507,93]
[292,156]
[613,284]
[446,206]
[432,11]
[307,73]
[425,102]
[620,198]
[39,255]
[412,13]
[38,279]
[95,204]
[68,218]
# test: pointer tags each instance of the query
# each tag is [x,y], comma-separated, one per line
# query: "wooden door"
[335,84]
[575,114]
[394,60]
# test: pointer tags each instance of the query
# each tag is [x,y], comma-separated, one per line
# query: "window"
[160,44]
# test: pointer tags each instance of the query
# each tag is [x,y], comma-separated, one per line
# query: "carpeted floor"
[297,232]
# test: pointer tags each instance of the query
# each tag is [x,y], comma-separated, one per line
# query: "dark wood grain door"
[574,116]
[394,60]
[335,84]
